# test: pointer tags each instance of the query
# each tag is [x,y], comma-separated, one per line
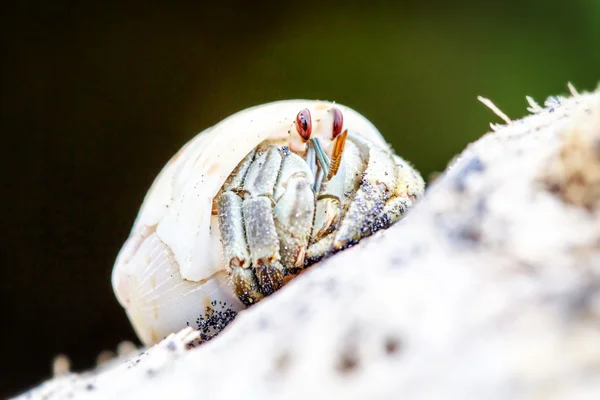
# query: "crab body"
[251,202]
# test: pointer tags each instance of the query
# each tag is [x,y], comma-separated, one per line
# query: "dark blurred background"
[95,98]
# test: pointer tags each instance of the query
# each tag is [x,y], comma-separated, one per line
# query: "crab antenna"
[336,156]
[322,158]
[318,181]
[311,159]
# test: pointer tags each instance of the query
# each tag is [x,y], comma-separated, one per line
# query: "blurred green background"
[95,98]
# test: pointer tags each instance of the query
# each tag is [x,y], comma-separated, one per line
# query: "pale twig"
[572,89]
[488,103]
[534,107]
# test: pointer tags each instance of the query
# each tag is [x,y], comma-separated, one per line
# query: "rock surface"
[488,289]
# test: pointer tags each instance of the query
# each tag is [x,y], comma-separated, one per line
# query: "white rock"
[489,289]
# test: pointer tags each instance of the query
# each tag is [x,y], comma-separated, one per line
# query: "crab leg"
[294,211]
[334,198]
[401,199]
[257,210]
[363,212]
[376,188]
[263,243]
[235,249]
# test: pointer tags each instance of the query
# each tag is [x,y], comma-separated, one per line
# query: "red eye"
[304,124]
[338,122]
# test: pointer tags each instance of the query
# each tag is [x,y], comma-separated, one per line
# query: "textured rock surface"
[489,289]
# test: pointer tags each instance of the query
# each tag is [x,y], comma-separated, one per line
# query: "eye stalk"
[322,147]
[338,122]
[304,124]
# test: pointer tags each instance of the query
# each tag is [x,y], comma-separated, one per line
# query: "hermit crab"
[251,202]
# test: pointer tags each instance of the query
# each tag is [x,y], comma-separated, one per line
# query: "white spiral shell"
[170,268]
